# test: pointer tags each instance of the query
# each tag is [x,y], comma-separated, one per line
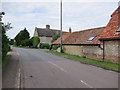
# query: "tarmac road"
[43,70]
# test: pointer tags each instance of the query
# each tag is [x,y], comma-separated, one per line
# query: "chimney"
[70,30]
[48,27]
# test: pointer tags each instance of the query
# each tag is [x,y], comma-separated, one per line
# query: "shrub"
[55,37]
[15,44]
[55,47]
[83,56]
[45,46]
[63,49]
[35,41]
[9,48]
[11,42]
[25,42]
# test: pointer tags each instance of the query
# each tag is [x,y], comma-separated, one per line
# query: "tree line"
[23,39]
[5,41]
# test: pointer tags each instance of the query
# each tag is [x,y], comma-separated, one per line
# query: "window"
[43,38]
[91,38]
[118,31]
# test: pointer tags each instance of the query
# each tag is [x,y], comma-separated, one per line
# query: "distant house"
[98,43]
[45,34]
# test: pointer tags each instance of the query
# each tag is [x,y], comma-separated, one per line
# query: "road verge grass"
[105,65]
[4,62]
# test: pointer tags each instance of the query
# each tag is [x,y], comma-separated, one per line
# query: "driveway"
[43,70]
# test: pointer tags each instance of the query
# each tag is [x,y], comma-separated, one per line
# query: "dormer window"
[91,38]
[118,31]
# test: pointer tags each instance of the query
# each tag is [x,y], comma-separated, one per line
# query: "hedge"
[55,47]
[44,46]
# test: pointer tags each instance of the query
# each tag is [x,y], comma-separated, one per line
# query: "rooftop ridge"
[50,29]
[115,11]
[90,29]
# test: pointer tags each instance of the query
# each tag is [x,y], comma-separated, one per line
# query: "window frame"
[118,30]
[91,38]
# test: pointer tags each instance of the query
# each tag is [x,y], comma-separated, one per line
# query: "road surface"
[39,69]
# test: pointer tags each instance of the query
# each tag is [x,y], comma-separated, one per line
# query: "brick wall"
[111,51]
[75,50]
[93,52]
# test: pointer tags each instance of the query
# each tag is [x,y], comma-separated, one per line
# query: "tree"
[22,35]
[55,37]
[5,41]
[25,42]
[5,46]
[7,26]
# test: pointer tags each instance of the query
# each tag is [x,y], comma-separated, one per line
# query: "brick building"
[98,43]
[83,43]
[110,38]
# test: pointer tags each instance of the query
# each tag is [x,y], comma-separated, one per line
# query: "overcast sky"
[77,15]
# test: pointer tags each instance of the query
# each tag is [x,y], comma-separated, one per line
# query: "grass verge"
[105,65]
[4,62]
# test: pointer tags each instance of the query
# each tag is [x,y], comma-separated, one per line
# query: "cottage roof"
[47,33]
[89,36]
[82,37]
[112,28]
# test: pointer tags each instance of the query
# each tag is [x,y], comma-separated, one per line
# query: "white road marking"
[18,79]
[86,84]
[57,66]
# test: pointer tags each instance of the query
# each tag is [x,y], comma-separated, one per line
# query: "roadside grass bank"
[4,62]
[24,47]
[105,65]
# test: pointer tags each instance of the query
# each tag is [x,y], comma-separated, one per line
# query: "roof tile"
[112,26]
[81,37]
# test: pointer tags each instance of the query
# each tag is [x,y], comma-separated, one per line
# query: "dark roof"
[47,33]
[112,27]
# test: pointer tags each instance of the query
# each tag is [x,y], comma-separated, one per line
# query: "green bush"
[83,56]
[55,47]
[45,46]
[25,42]
[55,37]
[63,50]
[35,41]
[15,44]
[9,48]
[11,42]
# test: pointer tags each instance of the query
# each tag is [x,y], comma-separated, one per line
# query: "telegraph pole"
[61,26]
